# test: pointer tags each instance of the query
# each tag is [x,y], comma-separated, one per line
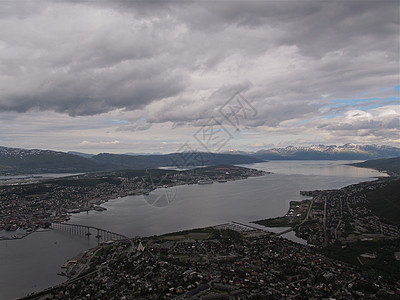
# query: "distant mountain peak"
[34,161]
[348,151]
[24,161]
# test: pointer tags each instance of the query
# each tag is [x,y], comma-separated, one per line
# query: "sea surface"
[31,264]
[43,175]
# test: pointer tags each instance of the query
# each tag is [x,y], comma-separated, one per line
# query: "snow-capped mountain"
[23,153]
[32,161]
[23,161]
[315,152]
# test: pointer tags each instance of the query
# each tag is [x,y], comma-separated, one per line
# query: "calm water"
[45,175]
[32,263]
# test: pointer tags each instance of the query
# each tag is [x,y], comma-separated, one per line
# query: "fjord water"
[192,206]
[31,264]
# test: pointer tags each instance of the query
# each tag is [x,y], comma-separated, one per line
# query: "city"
[214,263]
[36,205]
[239,261]
[163,149]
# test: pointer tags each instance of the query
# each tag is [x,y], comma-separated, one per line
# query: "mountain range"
[14,161]
[34,161]
[331,152]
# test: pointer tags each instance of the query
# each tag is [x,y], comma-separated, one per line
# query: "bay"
[32,263]
[194,206]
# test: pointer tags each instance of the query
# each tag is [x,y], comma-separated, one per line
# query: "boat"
[222,180]
[205,181]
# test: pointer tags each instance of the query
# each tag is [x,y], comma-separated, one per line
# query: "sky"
[166,76]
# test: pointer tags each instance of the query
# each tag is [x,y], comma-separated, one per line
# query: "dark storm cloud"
[83,68]
[92,94]
[314,26]
[86,58]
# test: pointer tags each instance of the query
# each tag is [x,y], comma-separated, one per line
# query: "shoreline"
[194,234]
[184,184]
[97,202]
[279,221]
[295,220]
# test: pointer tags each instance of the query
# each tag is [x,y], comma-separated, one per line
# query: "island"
[355,253]
[33,205]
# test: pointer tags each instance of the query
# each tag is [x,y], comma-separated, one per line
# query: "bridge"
[87,231]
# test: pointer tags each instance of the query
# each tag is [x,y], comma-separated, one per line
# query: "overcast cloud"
[146,74]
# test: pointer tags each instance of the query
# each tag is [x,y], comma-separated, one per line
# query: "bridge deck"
[85,230]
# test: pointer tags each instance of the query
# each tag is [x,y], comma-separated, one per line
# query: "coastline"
[246,230]
[323,185]
[96,202]
[298,220]
[191,235]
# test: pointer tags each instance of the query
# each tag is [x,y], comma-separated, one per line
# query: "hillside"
[389,165]
[85,155]
[23,161]
[172,160]
[14,161]
[385,202]
[26,161]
